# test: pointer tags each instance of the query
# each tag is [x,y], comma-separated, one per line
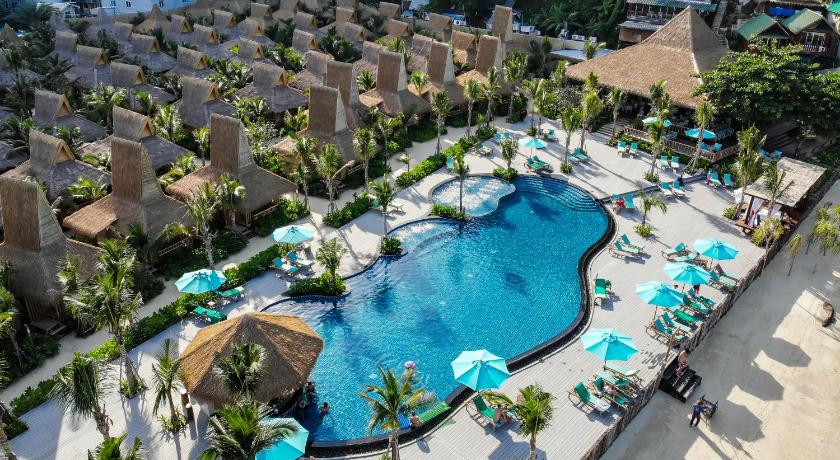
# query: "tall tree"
[472,93]
[80,387]
[616,99]
[533,89]
[509,149]
[230,193]
[394,397]
[304,152]
[241,371]
[327,164]
[168,123]
[201,208]
[384,194]
[441,110]
[385,126]
[490,92]
[590,107]
[242,430]
[656,133]
[419,80]
[776,183]
[703,117]
[166,377]
[9,315]
[571,119]
[534,410]
[514,69]
[364,146]
[749,164]
[329,255]
[461,170]
[650,202]
[101,102]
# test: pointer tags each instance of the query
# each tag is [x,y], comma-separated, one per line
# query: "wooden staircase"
[679,386]
[605,131]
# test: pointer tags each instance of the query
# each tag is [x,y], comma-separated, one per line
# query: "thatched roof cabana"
[391,94]
[230,154]
[104,23]
[200,99]
[200,9]
[132,78]
[247,51]
[342,15]
[674,53]
[225,23]
[287,11]
[65,45]
[262,12]
[441,26]
[354,33]
[441,72]
[155,20]
[315,71]
[370,58]
[311,5]
[305,21]
[303,41]
[8,36]
[291,351]
[135,127]
[53,109]
[390,10]
[136,198]
[52,163]
[254,30]
[490,54]
[503,23]
[420,47]
[190,63]
[271,82]
[122,34]
[464,47]
[395,28]
[802,176]
[340,76]
[91,67]
[207,40]
[35,248]
[147,50]
[180,30]
[8,75]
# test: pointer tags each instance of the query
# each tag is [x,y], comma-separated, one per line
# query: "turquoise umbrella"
[532,142]
[200,281]
[694,132]
[290,448]
[715,249]
[480,370]
[293,234]
[651,120]
[659,294]
[608,344]
[687,273]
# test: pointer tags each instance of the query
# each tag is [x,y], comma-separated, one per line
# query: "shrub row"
[349,212]
[448,212]
[421,170]
[287,211]
[506,174]
[193,258]
[322,285]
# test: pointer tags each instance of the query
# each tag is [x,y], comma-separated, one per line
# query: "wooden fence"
[683,149]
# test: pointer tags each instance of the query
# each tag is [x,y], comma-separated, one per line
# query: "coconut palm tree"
[80,387]
[242,430]
[590,48]
[590,107]
[166,378]
[441,110]
[252,109]
[384,194]
[418,80]
[533,89]
[545,103]
[384,127]
[490,92]
[533,409]
[9,315]
[241,371]
[72,137]
[5,415]
[749,164]
[201,208]
[168,123]
[794,246]
[54,72]
[616,99]
[508,150]
[396,396]
[110,302]
[514,69]
[571,119]
[776,183]
[143,102]
[461,170]
[304,151]
[230,193]
[592,82]
[656,92]
[329,255]
[703,117]
[27,15]
[656,133]
[101,102]
[326,164]
[15,132]
[111,449]
[650,202]
[558,76]
[472,93]
[366,81]
[364,146]
[295,123]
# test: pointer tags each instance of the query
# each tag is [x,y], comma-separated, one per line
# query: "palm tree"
[490,92]
[230,193]
[72,137]
[590,107]
[472,93]
[571,119]
[110,449]
[514,69]
[86,190]
[295,123]
[545,104]
[327,164]
[329,255]
[80,387]
[101,102]
[418,80]
[366,81]
[508,149]
[201,208]
[616,99]
[5,414]
[9,315]
[396,396]
[165,375]
[15,132]
[558,76]
[110,302]
[592,82]
[649,202]
[794,246]
[27,15]
[441,109]
[461,170]
[776,184]
[384,194]
[703,117]
[656,133]
[590,48]
[364,146]
[168,123]
[241,371]
[656,92]
[384,128]
[749,163]
[144,102]
[242,430]
[533,409]
[533,89]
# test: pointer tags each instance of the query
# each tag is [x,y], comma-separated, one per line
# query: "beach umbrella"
[651,120]
[715,249]
[659,294]
[480,370]
[290,448]
[532,142]
[687,273]
[200,281]
[694,132]
[293,234]
[609,344]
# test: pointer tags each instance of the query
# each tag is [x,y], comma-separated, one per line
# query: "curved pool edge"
[458,396]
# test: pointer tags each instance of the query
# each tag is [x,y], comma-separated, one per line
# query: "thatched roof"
[316,70]
[441,26]
[354,33]
[249,51]
[441,71]
[180,30]
[225,22]
[303,41]
[190,63]
[104,22]
[311,4]
[35,247]
[328,120]
[201,9]
[674,53]
[147,49]
[490,54]
[123,32]
[370,58]
[91,67]
[131,77]
[155,20]
[261,12]
[136,197]
[10,158]
[464,47]
[420,47]
[391,94]
[305,21]
[52,163]
[390,10]
[395,28]
[65,45]
[802,176]
[340,76]
[351,4]
[230,153]
[271,82]
[58,24]
[503,23]
[9,76]
[207,40]
[8,35]
[200,99]
[255,30]
[287,11]
[291,351]
[53,109]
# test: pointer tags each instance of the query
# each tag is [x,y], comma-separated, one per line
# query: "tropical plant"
[540,50]
[230,193]
[327,163]
[533,89]
[385,195]
[101,102]
[9,315]
[366,81]
[230,75]
[441,110]
[21,94]
[242,430]
[143,102]
[545,103]
[15,132]
[514,69]
[86,190]
[649,202]
[590,107]
[281,32]
[418,80]
[54,70]
[72,137]
[703,117]
[201,209]
[490,93]
[590,48]
[111,449]
[532,408]
[395,397]
[80,387]
[472,93]
[304,151]
[338,47]
[398,45]
[294,124]
[5,415]
[749,164]
[508,149]
[616,99]
[384,127]
[286,57]
[364,146]
[27,15]
[253,108]
[592,82]
[461,170]
[794,246]
[571,119]
[241,371]
[168,123]
[776,184]
[656,133]
[329,255]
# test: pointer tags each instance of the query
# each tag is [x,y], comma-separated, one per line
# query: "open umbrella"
[715,249]
[200,281]
[687,273]
[659,294]
[608,344]
[532,142]
[290,448]
[651,120]
[480,370]
[293,234]
[694,132]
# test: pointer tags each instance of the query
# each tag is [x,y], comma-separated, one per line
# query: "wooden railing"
[683,149]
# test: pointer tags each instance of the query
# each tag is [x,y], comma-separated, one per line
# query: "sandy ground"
[771,365]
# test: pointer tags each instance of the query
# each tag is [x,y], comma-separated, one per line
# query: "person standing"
[696,412]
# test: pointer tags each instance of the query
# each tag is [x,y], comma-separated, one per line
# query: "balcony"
[682,148]
[819,49]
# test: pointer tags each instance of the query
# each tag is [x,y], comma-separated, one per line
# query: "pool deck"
[55,434]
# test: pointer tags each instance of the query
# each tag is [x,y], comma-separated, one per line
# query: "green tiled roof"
[755,26]
[834,8]
[801,20]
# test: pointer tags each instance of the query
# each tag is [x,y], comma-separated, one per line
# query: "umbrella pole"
[655,311]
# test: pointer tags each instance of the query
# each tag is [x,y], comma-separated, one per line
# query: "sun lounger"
[551,135]
[675,251]
[507,135]
[727,180]
[450,163]
[498,138]
[625,385]
[663,162]
[602,289]
[488,412]
[634,149]
[662,330]
[695,306]
[777,154]
[211,316]
[721,272]
[628,202]
[675,163]
[722,282]
[433,412]
[666,190]
[701,299]
[284,268]
[232,294]
[690,257]
[669,321]
[686,318]
[299,262]
[618,399]
[716,147]
[617,249]
[627,241]
[622,147]
[622,372]
[713,179]
[588,400]
[678,191]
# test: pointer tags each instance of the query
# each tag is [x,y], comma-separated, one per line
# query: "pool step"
[566,194]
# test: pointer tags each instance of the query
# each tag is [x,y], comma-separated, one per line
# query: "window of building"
[816,39]
[160,4]
[114,3]
[127,4]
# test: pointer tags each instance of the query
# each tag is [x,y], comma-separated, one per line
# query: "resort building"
[307,23]
[35,248]
[225,23]
[91,67]
[190,63]
[155,20]
[206,40]
[65,45]
[180,30]
[441,71]
[261,12]
[644,17]
[340,76]
[104,22]
[231,155]
[200,99]
[122,33]
[303,42]
[389,10]
[315,71]
[441,26]
[395,28]
[248,51]
[53,109]
[327,123]
[491,54]
[464,47]
[135,198]
[132,78]
[9,75]
[391,94]
[287,11]
[369,60]
[421,45]
[271,82]
[254,30]
[146,50]
[807,28]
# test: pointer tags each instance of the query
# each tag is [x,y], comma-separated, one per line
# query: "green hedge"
[349,212]
[322,285]
[421,170]
[287,211]
[193,258]
[442,210]
[424,131]
[506,174]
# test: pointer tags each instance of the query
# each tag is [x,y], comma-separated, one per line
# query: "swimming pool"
[506,281]
[481,194]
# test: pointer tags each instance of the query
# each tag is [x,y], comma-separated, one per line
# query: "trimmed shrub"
[349,212]
[287,211]
[448,212]
[506,174]
[421,170]
[390,246]
[322,285]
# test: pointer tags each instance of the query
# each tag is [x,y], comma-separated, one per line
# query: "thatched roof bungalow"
[391,94]
[53,109]
[254,30]
[8,36]
[315,71]
[247,51]
[132,78]
[327,123]
[225,23]
[490,54]
[287,11]
[200,9]
[10,158]
[200,99]
[420,47]
[52,163]
[104,23]
[58,24]
[340,76]
[464,47]
[147,50]
[122,34]
[303,41]
[503,24]
[230,154]
[346,25]
[90,68]
[8,75]
[674,53]
[395,28]
[306,21]
[441,26]
[261,12]
[190,63]
[35,248]
[272,83]
[180,30]
[370,58]
[155,20]
[135,198]
[441,72]
[390,10]
[65,45]
[207,40]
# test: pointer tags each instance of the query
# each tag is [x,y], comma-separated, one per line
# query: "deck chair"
[450,163]
[675,251]
[713,179]
[233,294]
[675,163]
[488,412]
[622,372]
[722,282]
[669,321]
[618,399]
[508,136]
[588,400]
[626,385]
[663,162]
[498,138]
[727,180]
[686,318]
[661,330]
[634,149]
[622,146]
[628,202]
[294,259]
[695,306]
[433,412]
[721,272]
[666,190]
[602,289]
[627,241]
[551,135]
[675,187]
[284,268]
[777,155]
[580,155]
[701,299]
[689,257]
[617,249]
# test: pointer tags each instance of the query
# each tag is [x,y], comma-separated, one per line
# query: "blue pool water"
[506,281]
[481,194]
